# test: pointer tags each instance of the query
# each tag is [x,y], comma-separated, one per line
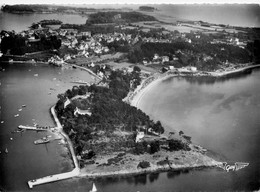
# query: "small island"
[146,8]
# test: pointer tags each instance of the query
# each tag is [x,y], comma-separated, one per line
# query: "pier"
[34,128]
[52,178]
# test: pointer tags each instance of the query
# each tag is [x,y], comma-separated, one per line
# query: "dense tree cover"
[146,8]
[45,22]
[94,29]
[118,46]
[18,8]
[39,8]
[19,45]
[108,110]
[254,47]
[191,54]
[113,16]
[176,145]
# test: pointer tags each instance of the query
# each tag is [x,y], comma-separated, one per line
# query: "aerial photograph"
[129,96]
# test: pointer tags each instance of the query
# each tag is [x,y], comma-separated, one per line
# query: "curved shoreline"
[135,97]
[188,159]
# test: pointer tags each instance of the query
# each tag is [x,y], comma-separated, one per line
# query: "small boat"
[11,138]
[94,189]
[23,105]
[18,131]
[17,115]
[6,150]
[2,122]
[20,109]
[42,141]
[36,75]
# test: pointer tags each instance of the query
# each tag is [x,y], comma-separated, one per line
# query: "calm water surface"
[233,14]
[222,116]
[19,86]
[20,22]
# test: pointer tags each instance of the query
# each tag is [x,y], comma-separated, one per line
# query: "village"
[85,48]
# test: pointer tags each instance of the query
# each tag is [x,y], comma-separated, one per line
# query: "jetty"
[57,177]
[34,128]
[88,70]
[53,178]
[81,82]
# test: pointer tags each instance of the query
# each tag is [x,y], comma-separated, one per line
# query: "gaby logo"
[233,167]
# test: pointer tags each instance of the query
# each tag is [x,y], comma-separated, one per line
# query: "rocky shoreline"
[159,162]
[120,164]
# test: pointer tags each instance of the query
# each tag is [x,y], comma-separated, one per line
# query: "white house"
[139,137]
[193,69]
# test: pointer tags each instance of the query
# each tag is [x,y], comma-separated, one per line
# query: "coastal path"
[52,178]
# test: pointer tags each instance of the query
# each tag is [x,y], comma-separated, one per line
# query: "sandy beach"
[147,84]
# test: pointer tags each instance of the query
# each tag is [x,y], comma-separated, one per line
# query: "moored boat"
[42,141]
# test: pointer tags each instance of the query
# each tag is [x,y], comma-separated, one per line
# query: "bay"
[20,22]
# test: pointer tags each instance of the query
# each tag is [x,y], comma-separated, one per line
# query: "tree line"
[16,44]
[188,53]
[108,110]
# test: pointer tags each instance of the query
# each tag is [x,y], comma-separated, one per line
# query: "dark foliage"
[193,54]
[108,110]
[176,145]
[143,164]
[155,147]
[113,16]
[17,8]
[19,45]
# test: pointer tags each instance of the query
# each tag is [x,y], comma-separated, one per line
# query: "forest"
[16,44]
[114,16]
[192,54]
[109,112]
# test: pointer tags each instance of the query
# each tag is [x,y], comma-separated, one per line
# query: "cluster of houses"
[231,41]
